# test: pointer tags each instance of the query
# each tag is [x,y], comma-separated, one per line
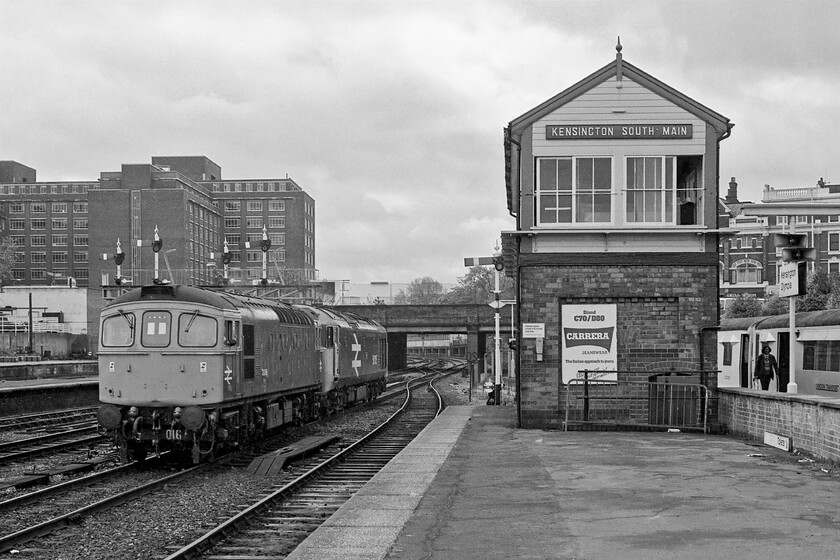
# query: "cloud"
[391,113]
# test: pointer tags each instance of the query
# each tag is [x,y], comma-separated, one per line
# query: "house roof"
[617,68]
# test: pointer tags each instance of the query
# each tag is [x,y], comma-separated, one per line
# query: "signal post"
[792,282]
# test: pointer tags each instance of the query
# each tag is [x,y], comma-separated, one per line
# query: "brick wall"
[664,312]
[812,423]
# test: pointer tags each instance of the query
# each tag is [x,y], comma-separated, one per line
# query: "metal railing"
[668,402]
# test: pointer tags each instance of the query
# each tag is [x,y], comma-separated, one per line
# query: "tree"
[745,305]
[819,289]
[477,287]
[775,305]
[421,291]
[7,259]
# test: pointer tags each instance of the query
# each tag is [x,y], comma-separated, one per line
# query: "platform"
[472,485]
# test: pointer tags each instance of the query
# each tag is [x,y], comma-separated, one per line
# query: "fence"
[663,402]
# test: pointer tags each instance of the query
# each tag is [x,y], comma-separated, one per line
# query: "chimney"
[732,194]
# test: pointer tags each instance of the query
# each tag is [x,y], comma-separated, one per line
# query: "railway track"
[276,524]
[48,419]
[74,506]
[84,436]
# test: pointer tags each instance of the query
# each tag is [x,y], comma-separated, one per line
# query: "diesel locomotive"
[195,370]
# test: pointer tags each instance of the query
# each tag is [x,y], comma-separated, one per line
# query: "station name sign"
[620,131]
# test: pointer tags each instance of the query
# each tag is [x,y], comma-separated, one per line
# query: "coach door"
[230,376]
[746,374]
[783,355]
[329,358]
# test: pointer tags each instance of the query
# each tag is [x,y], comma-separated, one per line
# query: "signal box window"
[665,190]
[197,330]
[118,330]
[156,329]
[574,190]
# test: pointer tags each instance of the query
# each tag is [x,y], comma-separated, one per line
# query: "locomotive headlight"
[109,416]
[192,417]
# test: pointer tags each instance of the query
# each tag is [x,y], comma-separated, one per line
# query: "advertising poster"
[588,341]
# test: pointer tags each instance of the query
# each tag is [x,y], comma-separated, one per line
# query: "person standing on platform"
[766,367]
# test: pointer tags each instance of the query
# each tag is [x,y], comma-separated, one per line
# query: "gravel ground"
[151,528]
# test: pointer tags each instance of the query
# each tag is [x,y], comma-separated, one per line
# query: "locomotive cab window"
[156,329]
[231,333]
[197,330]
[118,330]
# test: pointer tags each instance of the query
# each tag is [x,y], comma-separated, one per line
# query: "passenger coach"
[817,356]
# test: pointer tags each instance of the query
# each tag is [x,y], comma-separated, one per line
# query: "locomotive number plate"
[176,435]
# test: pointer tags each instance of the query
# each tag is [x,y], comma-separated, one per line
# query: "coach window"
[156,329]
[118,330]
[197,330]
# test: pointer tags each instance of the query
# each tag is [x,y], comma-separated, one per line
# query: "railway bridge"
[474,320]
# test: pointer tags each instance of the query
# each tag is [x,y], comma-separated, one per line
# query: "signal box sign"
[618,131]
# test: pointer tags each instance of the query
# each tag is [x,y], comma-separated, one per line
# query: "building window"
[834,267]
[80,207]
[59,240]
[81,273]
[80,223]
[254,256]
[233,238]
[276,221]
[255,206]
[746,273]
[276,205]
[38,208]
[17,225]
[18,240]
[18,274]
[38,224]
[38,257]
[39,273]
[59,257]
[16,208]
[80,257]
[59,223]
[38,241]
[254,222]
[574,190]
[232,223]
[232,206]
[20,257]
[235,256]
[80,240]
[277,238]
[834,242]
[59,207]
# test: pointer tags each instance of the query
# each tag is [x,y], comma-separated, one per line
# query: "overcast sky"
[390,113]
